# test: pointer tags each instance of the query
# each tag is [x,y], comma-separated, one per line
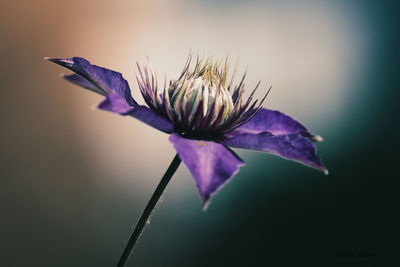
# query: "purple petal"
[151,118]
[78,80]
[211,164]
[289,146]
[117,104]
[116,89]
[276,123]
[106,81]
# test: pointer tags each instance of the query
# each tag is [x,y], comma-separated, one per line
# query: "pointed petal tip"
[206,203]
[60,61]
[317,138]
[52,59]
[68,76]
[326,172]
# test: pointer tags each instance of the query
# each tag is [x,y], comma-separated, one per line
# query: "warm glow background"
[73,179]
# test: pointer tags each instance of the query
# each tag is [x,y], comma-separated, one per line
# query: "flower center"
[187,94]
[199,102]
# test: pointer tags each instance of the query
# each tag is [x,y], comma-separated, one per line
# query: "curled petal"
[289,146]
[103,80]
[112,85]
[211,164]
[275,122]
[117,104]
[78,80]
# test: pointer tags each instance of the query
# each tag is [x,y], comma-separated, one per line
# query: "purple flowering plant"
[204,114]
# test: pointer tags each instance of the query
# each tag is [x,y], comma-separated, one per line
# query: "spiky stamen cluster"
[200,102]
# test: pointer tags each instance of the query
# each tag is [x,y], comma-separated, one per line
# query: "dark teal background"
[274,213]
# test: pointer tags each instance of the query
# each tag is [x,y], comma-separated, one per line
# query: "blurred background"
[74,179]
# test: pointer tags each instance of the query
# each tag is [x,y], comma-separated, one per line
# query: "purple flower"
[204,115]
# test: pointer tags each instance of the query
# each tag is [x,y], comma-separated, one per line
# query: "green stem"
[147,211]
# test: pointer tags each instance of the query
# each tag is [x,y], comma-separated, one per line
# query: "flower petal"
[211,164]
[78,80]
[114,103]
[277,123]
[105,80]
[151,118]
[116,89]
[289,146]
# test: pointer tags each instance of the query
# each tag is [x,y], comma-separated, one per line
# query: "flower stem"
[147,211]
